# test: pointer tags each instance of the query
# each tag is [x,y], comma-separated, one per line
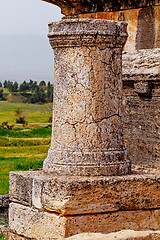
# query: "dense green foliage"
[30,92]
[44,132]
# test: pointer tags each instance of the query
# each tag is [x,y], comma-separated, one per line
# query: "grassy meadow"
[35,113]
[23,147]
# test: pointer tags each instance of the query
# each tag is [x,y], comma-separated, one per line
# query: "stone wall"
[141,100]
[143,17]
[143,26]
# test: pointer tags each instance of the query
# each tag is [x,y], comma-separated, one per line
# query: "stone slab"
[36,224]
[80,7]
[122,235]
[33,223]
[77,195]
[143,25]
[145,61]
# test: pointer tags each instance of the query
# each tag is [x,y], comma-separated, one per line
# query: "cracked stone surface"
[59,206]
[85,195]
[141,101]
[87,137]
[143,25]
[146,61]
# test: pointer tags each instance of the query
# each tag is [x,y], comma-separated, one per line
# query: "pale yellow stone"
[33,223]
[30,222]
[122,235]
[77,195]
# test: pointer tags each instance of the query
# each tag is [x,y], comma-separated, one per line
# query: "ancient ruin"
[87,138]
[141,101]
[87,184]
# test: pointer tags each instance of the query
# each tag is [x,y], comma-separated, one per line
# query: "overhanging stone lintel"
[72,7]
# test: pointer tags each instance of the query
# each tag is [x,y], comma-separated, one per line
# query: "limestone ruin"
[87,184]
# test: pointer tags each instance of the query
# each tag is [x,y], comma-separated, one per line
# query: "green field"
[23,148]
[35,113]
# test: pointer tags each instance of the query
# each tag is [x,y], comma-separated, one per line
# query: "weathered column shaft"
[87,137]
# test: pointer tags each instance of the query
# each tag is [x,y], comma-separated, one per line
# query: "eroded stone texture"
[143,18]
[77,195]
[87,137]
[141,100]
[4,204]
[4,201]
[143,26]
[146,62]
[72,7]
[45,225]
[32,223]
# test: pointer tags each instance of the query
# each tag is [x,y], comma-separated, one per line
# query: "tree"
[42,96]
[15,87]
[49,92]
[1,94]
[0,84]
[10,86]
[42,84]
[38,96]
[5,84]
[32,85]
[23,87]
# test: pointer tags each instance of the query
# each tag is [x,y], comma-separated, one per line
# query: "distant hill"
[25,57]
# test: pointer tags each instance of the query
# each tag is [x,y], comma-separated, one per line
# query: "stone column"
[87,143]
[87,137]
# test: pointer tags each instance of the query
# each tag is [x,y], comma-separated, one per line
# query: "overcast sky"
[26,16]
[25,52]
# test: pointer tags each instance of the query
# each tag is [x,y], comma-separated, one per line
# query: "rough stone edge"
[64,207]
[4,201]
[4,206]
[9,234]
[121,235]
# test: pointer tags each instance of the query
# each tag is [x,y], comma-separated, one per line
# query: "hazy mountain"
[24,57]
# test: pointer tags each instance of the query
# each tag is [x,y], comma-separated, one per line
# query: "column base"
[87,163]
[43,206]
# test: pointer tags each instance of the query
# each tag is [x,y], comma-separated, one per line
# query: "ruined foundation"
[141,101]
[86,184]
[43,206]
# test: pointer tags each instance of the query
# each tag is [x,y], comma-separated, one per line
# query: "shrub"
[50,119]
[6,125]
[20,117]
